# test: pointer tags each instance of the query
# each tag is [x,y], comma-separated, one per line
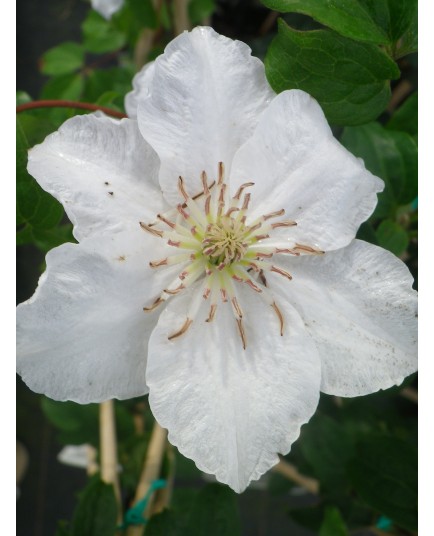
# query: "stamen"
[279,316]
[287,223]
[237,307]
[281,272]
[204,179]
[149,229]
[180,332]
[241,188]
[156,264]
[182,189]
[308,249]
[246,202]
[275,214]
[212,311]
[242,332]
[221,173]
[156,303]
[166,221]
[174,291]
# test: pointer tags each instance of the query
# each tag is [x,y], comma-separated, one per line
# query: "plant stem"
[150,472]
[68,104]
[108,450]
[291,472]
[181,21]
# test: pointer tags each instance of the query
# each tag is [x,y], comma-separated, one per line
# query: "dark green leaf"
[116,79]
[63,59]
[215,512]
[333,524]
[100,36]
[45,239]
[350,18]
[165,524]
[390,155]
[384,474]
[349,79]
[34,206]
[143,11]
[393,16]
[405,117]
[65,86]
[327,446]
[96,512]
[62,529]
[79,423]
[198,10]
[392,236]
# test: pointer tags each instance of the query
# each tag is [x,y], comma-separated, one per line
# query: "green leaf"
[405,117]
[165,524]
[395,17]
[79,423]
[392,236]
[63,59]
[198,10]
[215,512]
[390,155]
[100,35]
[384,474]
[34,206]
[65,86]
[349,79]
[115,78]
[96,512]
[143,11]
[350,18]
[327,446]
[45,239]
[333,524]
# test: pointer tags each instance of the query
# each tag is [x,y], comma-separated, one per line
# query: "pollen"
[220,247]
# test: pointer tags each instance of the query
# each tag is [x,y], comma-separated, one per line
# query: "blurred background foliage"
[353,469]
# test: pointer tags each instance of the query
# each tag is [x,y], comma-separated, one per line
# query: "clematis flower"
[107,8]
[216,266]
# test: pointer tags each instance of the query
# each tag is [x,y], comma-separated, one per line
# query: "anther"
[242,332]
[204,179]
[281,272]
[156,303]
[156,264]
[280,212]
[221,173]
[308,249]
[166,221]
[184,328]
[279,316]
[241,188]
[174,291]
[212,311]
[237,307]
[174,243]
[182,189]
[246,202]
[232,209]
[149,229]
[287,223]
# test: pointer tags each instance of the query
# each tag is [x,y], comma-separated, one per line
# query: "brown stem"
[291,472]
[150,472]
[68,104]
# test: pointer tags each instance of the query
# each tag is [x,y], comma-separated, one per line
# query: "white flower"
[107,8]
[233,315]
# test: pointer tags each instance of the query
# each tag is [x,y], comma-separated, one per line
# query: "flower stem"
[289,471]
[150,472]
[68,104]
[108,450]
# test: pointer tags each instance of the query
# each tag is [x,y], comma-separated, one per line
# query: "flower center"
[219,246]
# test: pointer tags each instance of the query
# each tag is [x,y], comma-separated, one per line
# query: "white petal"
[141,85]
[231,410]
[102,171]
[107,8]
[205,98]
[297,164]
[358,305]
[83,335]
